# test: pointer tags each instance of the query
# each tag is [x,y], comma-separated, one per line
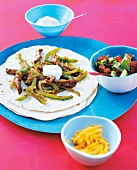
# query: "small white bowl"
[115,84]
[60,12]
[110,131]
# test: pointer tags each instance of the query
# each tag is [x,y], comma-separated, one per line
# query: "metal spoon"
[98,74]
[75,17]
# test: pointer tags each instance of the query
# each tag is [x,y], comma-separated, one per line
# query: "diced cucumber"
[104,61]
[125,62]
[113,74]
[112,59]
[127,57]
[117,66]
[124,73]
[96,64]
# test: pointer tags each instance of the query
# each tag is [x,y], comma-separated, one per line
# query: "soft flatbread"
[53,109]
[52,105]
[46,116]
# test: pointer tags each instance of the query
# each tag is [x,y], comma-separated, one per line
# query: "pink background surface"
[110,21]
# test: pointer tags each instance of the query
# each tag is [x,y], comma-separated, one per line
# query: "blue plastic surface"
[105,104]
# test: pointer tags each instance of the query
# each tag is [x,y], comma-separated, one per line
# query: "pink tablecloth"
[110,21]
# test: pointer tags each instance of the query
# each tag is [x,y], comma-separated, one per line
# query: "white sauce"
[52,70]
[47,21]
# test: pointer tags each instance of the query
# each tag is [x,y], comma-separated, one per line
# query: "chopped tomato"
[132,70]
[114,64]
[118,58]
[101,67]
[102,57]
[133,63]
[131,56]
[109,65]
[118,74]
[107,70]
[117,71]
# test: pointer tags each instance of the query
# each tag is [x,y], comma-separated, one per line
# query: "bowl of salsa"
[115,68]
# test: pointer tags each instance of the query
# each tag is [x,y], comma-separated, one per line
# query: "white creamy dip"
[47,21]
[52,70]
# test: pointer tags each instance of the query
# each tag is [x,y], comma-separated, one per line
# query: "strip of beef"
[17,81]
[29,79]
[56,61]
[11,71]
[44,81]
[39,56]
[49,79]
[41,78]
[70,83]
[24,76]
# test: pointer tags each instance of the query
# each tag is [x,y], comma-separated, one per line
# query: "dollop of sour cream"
[52,70]
[47,21]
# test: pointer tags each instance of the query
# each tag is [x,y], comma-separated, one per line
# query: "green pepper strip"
[51,91]
[66,59]
[67,67]
[64,69]
[82,76]
[35,73]
[39,97]
[37,64]
[52,96]
[51,53]
[48,91]
[12,84]
[22,97]
[73,71]
[31,89]
[54,86]
[71,65]
[24,65]
[67,76]
[33,85]
[73,91]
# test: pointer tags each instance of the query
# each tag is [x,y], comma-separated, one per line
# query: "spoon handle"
[99,74]
[79,16]
[96,74]
[76,17]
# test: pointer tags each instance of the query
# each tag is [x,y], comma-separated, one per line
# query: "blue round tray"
[105,104]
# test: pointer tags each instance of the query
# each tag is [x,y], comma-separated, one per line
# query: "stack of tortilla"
[53,109]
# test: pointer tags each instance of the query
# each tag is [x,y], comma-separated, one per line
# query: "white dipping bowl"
[116,84]
[110,132]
